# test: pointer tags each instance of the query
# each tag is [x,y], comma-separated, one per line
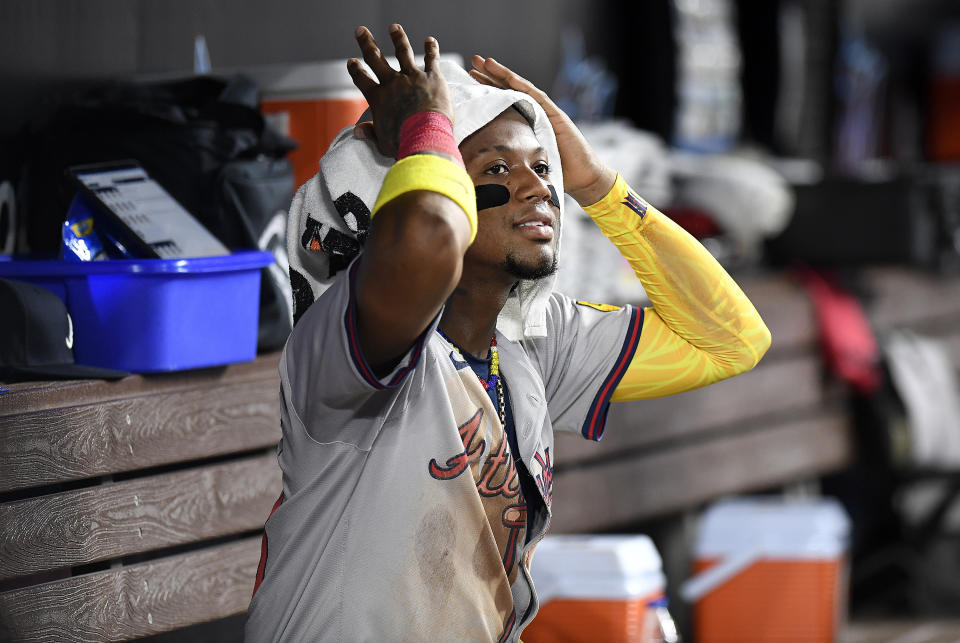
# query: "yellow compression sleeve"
[433,173]
[701,328]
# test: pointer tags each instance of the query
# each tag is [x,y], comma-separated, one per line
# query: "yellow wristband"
[433,173]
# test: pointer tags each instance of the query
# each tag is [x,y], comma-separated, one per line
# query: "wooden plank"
[910,297]
[77,442]
[25,397]
[624,491]
[897,297]
[134,601]
[772,388]
[118,519]
[785,309]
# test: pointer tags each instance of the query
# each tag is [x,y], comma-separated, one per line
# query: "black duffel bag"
[203,139]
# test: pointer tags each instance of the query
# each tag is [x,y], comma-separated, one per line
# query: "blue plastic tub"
[154,315]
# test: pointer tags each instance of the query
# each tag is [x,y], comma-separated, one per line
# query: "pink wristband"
[428,131]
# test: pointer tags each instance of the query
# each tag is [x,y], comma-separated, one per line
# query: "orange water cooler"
[310,103]
[943,98]
[599,588]
[770,570]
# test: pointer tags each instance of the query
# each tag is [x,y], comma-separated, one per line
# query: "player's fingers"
[480,73]
[495,69]
[483,79]
[403,49]
[372,54]
[360,77]
[431,53]
[510,79]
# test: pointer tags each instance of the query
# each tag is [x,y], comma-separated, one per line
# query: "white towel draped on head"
[330,214]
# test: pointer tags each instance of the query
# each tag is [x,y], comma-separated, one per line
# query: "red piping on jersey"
[413,362]
[508,627]
[263,549]
[510,556]
[351,323]
[357,355]
[596,418]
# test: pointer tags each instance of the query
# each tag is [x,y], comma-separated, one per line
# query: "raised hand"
[585,177]
[398,94]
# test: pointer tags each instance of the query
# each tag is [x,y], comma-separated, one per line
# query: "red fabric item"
[697,222]
[263,550]
[428,131]
[847,342]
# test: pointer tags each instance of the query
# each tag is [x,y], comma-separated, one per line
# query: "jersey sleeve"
[582,360]
[701,327]
[323,369]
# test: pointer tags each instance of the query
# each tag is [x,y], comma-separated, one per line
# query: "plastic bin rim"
[239,260]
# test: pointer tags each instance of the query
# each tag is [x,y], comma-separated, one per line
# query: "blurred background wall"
[49,44]
[790,50]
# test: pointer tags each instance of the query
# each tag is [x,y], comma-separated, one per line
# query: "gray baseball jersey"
[401,515]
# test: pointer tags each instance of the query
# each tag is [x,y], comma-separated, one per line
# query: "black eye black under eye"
[554,197]
[492,195]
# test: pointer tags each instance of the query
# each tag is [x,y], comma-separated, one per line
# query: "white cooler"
[599,588]
[769,569]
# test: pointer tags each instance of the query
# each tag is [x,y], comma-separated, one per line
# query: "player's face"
[517,229]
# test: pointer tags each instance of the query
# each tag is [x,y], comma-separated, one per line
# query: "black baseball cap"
[36,336]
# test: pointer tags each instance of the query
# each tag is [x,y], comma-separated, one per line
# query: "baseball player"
[421,389]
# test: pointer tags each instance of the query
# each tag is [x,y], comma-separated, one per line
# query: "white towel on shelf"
[330,214]
[924,377]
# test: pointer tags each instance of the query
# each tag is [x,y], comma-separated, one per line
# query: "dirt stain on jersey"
[486,560]
[436,538]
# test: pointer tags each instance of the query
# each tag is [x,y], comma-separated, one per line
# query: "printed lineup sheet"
[149,212]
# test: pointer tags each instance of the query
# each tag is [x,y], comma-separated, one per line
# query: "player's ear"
[364,131]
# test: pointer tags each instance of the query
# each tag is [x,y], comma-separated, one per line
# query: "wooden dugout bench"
[785,421]
[135,507]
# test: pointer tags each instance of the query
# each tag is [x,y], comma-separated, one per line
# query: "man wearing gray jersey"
[421,389]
